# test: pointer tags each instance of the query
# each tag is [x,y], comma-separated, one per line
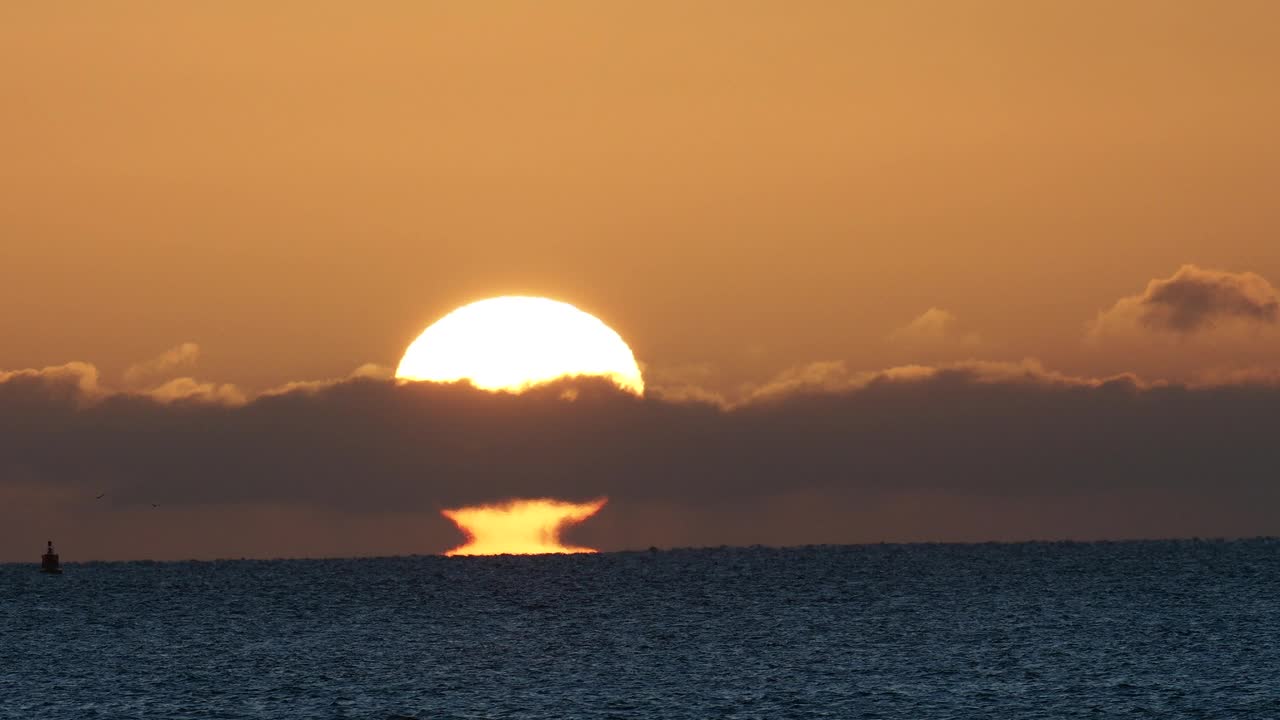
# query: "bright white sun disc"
[513,343]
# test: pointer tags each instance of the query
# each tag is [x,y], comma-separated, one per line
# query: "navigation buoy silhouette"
[49,561]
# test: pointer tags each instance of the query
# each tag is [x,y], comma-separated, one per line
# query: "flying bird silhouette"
[100,496]
[155,504]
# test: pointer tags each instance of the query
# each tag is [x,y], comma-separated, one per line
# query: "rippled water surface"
[1168,629]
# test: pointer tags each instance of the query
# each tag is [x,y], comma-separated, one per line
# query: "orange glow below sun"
[520,527]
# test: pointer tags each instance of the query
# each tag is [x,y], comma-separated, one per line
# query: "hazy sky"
[284,192]
[299,188]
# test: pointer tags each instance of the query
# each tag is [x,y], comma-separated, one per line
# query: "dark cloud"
[1194,299]
[970,436]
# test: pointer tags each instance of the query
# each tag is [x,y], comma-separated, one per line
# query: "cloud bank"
[965,451]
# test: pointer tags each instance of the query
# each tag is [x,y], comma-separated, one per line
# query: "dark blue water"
[1038,630]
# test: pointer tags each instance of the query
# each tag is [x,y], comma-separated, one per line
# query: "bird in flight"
[100,496]
[155,504]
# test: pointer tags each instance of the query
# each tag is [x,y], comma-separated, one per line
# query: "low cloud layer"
[783,467]
[1193,300]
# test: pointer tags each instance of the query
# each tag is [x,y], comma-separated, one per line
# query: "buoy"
[49,561]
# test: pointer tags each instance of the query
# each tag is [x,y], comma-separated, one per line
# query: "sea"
[1171,629]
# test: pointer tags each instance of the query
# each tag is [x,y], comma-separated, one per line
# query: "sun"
[513,343]
[520,527]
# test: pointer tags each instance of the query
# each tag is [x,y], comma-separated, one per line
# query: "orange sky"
[737,188]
